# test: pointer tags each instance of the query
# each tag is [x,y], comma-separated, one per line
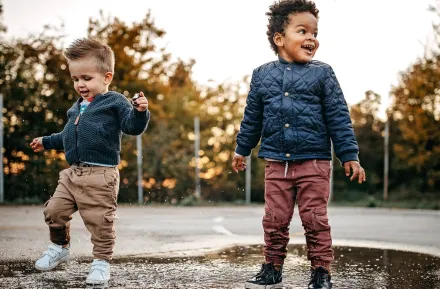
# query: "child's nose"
[311,36]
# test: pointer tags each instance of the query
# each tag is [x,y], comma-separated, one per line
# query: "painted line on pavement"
[220,228]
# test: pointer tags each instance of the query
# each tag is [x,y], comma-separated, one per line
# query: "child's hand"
[238,163]
[37,144]
[141,103]
[358,171]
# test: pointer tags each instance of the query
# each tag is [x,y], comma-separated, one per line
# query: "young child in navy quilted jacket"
[296,108]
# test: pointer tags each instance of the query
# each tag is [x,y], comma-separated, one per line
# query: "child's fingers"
[241,164]
[347,168]
[355,173]
[141,100]
[141,103]
[234,165]
[238,164]
[362,176]
[141,107]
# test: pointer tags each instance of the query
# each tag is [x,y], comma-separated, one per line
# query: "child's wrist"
[242,151]
[237,155]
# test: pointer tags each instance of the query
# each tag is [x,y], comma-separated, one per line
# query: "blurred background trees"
[37,91]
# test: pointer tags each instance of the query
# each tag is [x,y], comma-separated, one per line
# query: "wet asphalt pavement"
[353,268]
[156,231]
[172,247]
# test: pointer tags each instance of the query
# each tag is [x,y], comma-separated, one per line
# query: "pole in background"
[2,192]
[196,154]
[248,179]
[331,174]
[386,158]
[139,169]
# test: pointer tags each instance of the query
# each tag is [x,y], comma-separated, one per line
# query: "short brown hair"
[89,47]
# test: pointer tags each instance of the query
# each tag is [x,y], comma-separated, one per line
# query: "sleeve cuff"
[242,151]
[350,156]
[142,114]
[47,144]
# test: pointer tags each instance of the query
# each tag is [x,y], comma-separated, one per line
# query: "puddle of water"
[353,268]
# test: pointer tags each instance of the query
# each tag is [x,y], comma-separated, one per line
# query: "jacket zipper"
[76,136]
[76,128]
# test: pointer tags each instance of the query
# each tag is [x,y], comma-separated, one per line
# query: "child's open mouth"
[308,48]
[84,92]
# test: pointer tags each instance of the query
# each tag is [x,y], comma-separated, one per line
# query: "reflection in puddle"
[353,268]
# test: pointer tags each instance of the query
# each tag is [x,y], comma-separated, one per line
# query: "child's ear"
[278,39]
[108,77]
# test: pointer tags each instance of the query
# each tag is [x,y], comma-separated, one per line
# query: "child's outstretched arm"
[37,144]
[250,128]
[54,141]
[134,117]
[339,125]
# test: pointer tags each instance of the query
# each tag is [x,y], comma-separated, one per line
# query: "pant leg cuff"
[319,263]
[275,261]
[102,257]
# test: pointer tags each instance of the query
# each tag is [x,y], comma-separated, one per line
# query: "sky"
[366,42]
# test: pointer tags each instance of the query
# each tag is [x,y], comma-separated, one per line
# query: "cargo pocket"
[108,228]
[322,168]
[269,168]
[109,178]
[320,220]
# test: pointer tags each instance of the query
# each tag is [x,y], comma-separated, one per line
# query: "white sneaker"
[50,258]
[99,272]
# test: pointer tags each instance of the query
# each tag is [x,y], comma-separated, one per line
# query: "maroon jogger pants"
[307,183]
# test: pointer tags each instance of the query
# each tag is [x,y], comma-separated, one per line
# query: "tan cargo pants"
[92,191]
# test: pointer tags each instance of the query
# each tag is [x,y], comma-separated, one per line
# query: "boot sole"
[64,259]
[330,285]
[256,286]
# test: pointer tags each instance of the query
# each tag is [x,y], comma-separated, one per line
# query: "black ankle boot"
[320,279]
[267,278]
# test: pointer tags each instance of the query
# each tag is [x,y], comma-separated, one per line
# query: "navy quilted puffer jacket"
[295,109]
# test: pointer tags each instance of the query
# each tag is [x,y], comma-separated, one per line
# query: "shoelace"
[52,251]
[268,273]
[319,278]
[263,268]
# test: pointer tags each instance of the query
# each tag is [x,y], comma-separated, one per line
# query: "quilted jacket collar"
[282,60]
[285,62]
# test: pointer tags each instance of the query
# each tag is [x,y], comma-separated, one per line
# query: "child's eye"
[87,78]
[315,34]
[301,31]
[75,79]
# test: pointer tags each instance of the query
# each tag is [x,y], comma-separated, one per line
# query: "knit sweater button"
[286,94]
[287,155]
[286,125]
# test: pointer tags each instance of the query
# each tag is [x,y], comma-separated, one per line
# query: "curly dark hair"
[279,14]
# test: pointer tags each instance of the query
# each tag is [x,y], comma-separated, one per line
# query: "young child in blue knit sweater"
[91,140]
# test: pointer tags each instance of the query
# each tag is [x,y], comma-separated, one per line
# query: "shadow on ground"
[353,268]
